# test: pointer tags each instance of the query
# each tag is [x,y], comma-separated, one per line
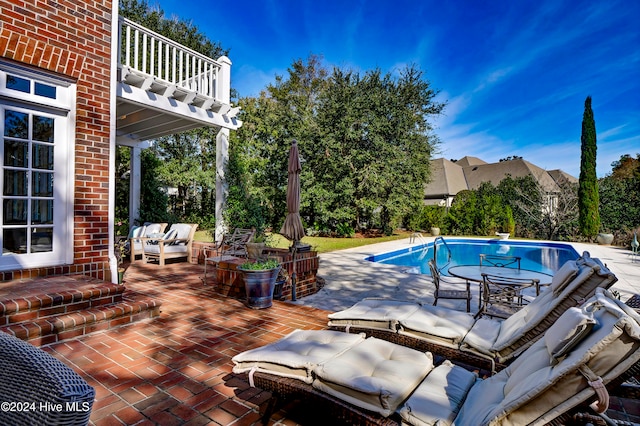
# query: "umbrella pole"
[293,274]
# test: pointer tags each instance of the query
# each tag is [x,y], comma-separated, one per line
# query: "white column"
[134,185]
[223,94]
[222,156]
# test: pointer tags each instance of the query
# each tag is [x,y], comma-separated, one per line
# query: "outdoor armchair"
[449,292]
[176,243]
[145,231]
[502,297]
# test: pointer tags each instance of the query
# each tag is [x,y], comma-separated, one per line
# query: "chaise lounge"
[559,379]
[458,336]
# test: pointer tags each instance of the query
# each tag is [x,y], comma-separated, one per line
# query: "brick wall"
[72,38]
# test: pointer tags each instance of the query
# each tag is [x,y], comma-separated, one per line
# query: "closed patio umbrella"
[292,227]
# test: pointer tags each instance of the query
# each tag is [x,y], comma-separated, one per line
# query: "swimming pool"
[546,257]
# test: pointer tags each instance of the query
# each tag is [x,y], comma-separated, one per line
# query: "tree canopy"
[365,139]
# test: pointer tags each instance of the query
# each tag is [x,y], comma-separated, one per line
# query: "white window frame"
[62,110]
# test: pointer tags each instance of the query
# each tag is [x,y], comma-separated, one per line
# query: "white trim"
[115,51]
[174,107]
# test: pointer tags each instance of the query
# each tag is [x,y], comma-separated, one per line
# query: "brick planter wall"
[228,280]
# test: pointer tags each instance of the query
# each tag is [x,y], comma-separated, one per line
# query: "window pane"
[41,212]
[42,184]
[42,89]
[17,83]
[41,239]
[15,153]
[14,240]
[42,128]
[16,124]
[14,212]
[42,156]
[15,182]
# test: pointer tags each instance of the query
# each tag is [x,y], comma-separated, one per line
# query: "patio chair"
[565,377]
[492,342]
[144,231]
[232,246]
[176,243]
[500,260]
[440,293]
[40,389]
[502,297]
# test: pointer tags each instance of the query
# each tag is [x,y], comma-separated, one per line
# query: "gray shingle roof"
[449,178]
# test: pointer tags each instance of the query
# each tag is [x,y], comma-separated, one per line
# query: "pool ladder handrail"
[435,251]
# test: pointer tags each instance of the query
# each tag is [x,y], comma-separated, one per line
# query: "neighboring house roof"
[470,161]
[518,168]
[559,175]
[449,178]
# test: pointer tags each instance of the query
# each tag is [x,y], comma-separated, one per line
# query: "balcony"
[165,88]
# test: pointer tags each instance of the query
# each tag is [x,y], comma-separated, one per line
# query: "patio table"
[474,273]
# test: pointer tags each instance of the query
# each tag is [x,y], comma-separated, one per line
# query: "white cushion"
[374,313]
[168,248]
[182,230]
[375,375]
[443,325]
[439,397]
[564,276]
[152,228]
[137,231]
[296,354]
[483,335]
[171,234]
[563,335]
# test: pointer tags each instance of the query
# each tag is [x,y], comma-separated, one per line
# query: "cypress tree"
[588,200]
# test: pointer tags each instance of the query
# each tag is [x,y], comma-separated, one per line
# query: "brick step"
[64,301]
[46,330]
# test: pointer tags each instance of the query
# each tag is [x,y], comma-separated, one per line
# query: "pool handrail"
[435,251]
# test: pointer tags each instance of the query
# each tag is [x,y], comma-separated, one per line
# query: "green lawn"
[319,244]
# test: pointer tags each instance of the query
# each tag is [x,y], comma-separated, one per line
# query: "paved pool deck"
[351,278]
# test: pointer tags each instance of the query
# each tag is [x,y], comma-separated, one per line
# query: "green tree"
[621,190]
[588,200]
[349,129]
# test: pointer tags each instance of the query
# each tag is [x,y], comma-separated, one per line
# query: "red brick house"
[75,80]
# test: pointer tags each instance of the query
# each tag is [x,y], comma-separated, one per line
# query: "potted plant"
[256,246]
[259,282]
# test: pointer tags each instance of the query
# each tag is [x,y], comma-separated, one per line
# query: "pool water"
[535,256]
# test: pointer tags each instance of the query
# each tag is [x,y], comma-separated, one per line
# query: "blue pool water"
[535,256]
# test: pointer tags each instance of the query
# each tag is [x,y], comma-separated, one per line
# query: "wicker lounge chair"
[39,389]
[562,378]
[461,337]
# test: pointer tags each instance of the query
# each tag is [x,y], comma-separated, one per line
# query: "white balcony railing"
[146,53]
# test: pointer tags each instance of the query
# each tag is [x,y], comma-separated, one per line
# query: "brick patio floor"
[176,369]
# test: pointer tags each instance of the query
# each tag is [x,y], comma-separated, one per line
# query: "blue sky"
[515,74]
